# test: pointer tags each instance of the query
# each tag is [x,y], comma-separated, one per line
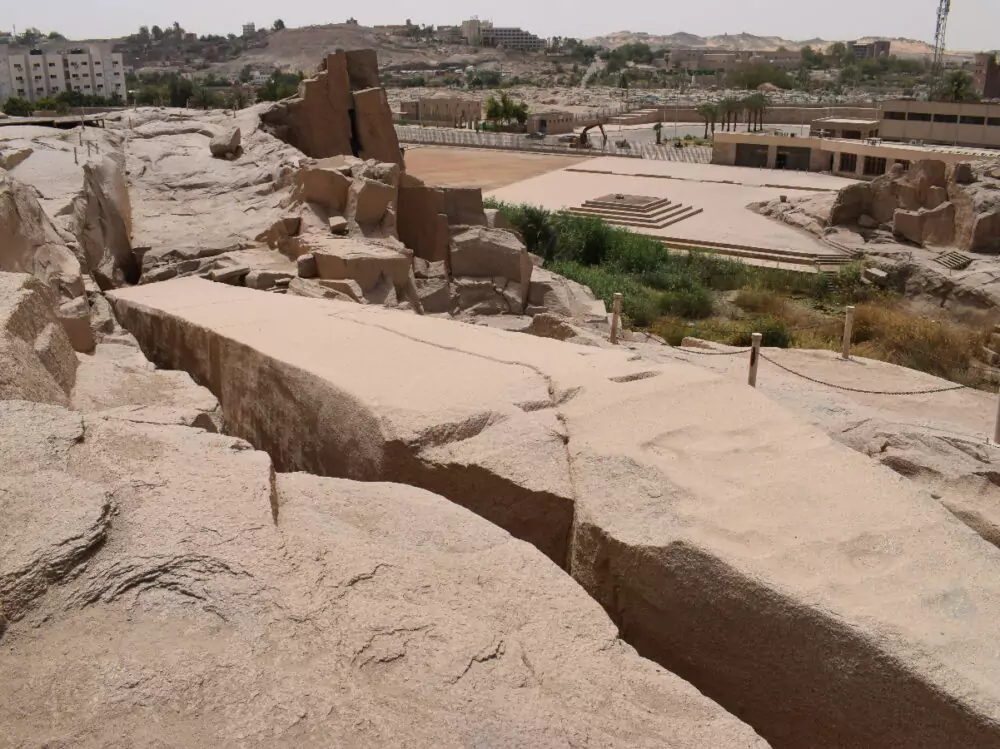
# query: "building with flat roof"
[857,159]
[849,128]
[972,124]
[728,61]
[986,75]
[36,74]
[477,33]
[870,50]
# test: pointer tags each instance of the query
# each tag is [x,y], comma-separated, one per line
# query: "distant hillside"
[900,46]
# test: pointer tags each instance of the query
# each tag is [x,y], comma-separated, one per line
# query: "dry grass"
[883,330]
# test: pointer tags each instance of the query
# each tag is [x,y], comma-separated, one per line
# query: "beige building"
[36,74]
[554,122]
[442,109]
[858,159]
[728,61]
[938,122]
[477,33]
[848,128]
[986,75]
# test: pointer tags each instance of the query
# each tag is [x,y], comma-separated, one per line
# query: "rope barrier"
[859,390]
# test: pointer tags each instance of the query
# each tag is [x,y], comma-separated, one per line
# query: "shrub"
[775,333]
[760,301]
[691,304]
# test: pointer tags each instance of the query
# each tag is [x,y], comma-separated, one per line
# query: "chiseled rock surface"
[37,361]
[118,382]
[731,541]
[227,606]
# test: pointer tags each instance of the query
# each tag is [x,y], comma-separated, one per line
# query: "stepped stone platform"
[818,596]
[638,211]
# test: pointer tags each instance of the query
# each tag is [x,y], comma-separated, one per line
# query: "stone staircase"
[637,211]
[811,263]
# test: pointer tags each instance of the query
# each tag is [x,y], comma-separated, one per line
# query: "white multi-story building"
[36,74]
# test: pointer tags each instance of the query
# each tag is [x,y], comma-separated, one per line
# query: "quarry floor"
[488,169]
[722,192]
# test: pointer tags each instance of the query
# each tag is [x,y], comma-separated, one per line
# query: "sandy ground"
[466,167]
[722,191]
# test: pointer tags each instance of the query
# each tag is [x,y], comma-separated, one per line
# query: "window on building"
[97,62]
[38,77]
[894,115]
[848,162]
[99,75]
[874,165]
[993,122]
[918,117]
[53,77]
[39,90]
[21,78]
[52,64]
[36,66]
[969,120]
[100,88]
[946,118]
[20,92]
[117,74]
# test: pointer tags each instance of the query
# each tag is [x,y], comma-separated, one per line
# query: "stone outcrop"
[30,243]
[929,205]
[730,541]
[186,552]
[338,112]
[103,216]
[37,361]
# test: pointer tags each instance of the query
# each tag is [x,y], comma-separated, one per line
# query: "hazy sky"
[973,25]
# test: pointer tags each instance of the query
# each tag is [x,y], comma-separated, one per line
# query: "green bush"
[691,304]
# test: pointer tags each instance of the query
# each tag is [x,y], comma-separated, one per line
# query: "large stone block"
[368,201]
[362,69]
[373,128]
[464,206]
[939,225]
[729,539]
[851,203]
[326,187]
[488,253]
[422,223]
[226,143]
[909,225]
[362,262]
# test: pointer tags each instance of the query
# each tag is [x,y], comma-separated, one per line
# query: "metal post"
[76,159]
[996,429]
[755,358]
[848,330]
[616,315]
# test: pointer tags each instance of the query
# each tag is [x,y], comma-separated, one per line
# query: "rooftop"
[846,121]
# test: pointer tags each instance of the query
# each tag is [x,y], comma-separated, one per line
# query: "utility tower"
[939,37]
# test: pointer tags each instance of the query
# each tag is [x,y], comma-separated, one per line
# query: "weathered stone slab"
[730,541]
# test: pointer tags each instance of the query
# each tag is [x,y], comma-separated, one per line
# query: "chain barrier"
[948,389]
[715,353]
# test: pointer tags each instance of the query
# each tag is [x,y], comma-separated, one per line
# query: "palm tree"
[958,86]
[710,113]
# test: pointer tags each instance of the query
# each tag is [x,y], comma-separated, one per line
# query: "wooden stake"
[76,159]
[848,331]
[996,428]
[616,315]
[754,359]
